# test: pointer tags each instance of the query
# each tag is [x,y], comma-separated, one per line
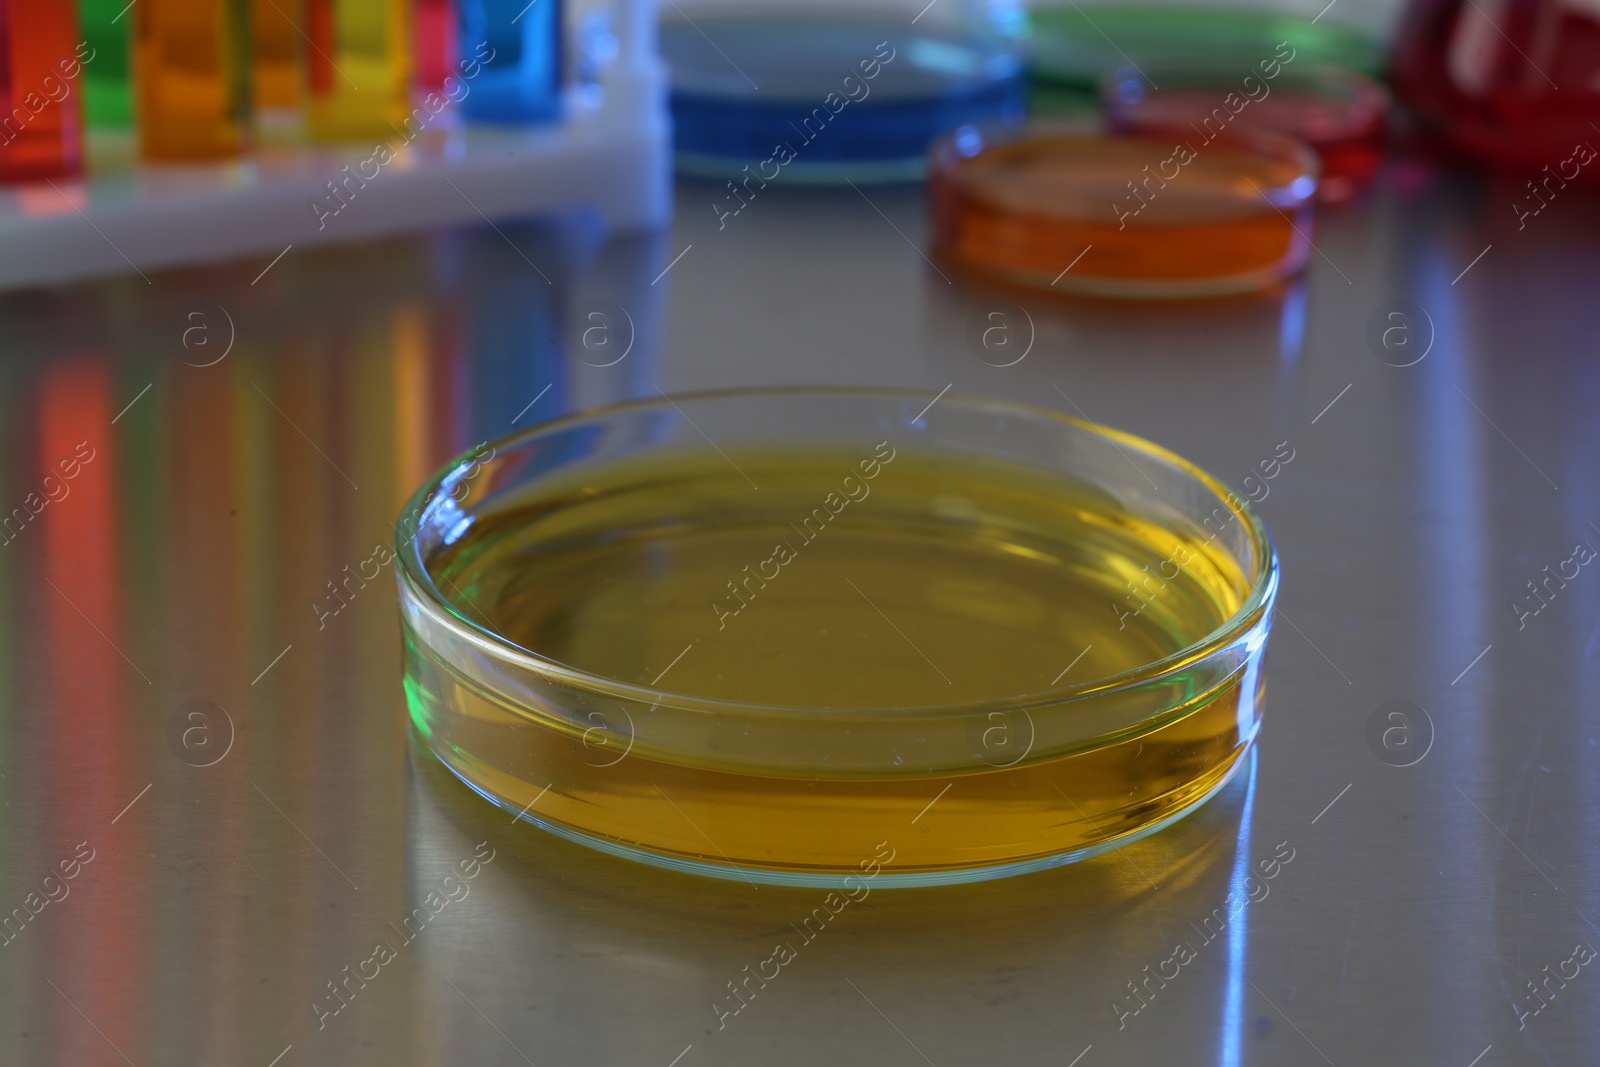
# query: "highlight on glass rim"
[695,532]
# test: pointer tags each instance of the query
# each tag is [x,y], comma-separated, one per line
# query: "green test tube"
[107,87]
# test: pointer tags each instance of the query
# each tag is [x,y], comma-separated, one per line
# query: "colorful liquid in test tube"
[191,78]
[107,89]
[275,73]
[358,67]
[41,69]
[434,31]
[519,46]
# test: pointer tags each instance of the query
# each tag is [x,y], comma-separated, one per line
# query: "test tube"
[275,75]
[519,46]
[40,64]
[358,67]
[435,43]
[191,78]
[107,93]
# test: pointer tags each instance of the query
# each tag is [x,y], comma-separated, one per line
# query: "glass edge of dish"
[1262,585]
[944,161]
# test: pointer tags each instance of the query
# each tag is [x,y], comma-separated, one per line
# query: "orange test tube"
[275,41]
[191,78]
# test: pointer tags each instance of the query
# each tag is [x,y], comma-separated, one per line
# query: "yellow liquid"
[938,581]
[359,75]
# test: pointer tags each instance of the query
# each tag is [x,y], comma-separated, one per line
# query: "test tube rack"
[609,156]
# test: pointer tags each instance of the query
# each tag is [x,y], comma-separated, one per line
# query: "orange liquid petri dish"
[1076,207]
[1340,113]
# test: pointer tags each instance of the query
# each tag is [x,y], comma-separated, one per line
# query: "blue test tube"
[517,44]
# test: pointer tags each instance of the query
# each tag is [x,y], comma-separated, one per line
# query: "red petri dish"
[1152,213]
[1340,113]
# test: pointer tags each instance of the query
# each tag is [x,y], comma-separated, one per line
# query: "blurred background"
[267,265]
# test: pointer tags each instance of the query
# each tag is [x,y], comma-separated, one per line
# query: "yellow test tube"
[191,78]
[358,67]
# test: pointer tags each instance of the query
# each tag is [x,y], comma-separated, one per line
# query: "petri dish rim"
[1261,589]
[1364,102]
[1003,61]
[1163,31]
[949,150]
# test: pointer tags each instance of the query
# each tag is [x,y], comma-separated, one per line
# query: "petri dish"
[866,633]
[842,96]
[1153,213]
[1338,112]
[1070,49]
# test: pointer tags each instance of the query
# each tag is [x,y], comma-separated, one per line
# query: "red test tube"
[41,133]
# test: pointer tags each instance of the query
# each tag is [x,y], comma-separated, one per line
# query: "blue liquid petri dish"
[824,96]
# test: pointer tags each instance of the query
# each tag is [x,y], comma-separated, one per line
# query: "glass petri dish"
[1338,112]
[1153,213]
[867,633]
[1070,49]
[842,96]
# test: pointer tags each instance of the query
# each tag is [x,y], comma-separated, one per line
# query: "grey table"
[225,774]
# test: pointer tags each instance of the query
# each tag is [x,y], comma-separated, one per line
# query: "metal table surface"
[212,814]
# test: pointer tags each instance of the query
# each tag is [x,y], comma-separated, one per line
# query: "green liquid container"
[1072,47]
[107,86]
